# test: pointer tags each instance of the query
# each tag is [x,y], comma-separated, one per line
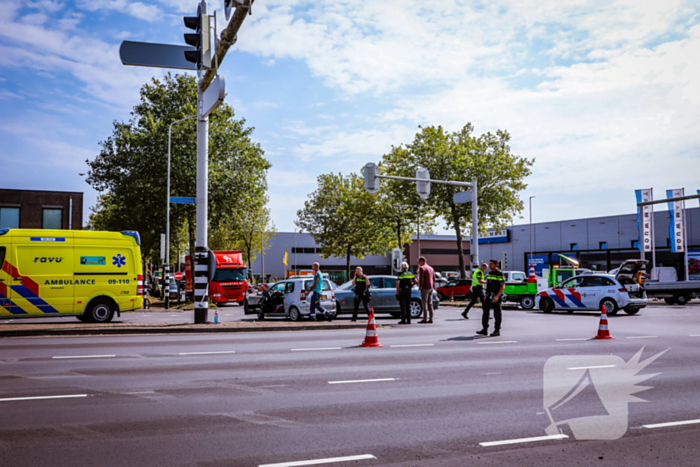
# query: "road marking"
[576,339]
[207,353]
[9,399]
[317,348]
[522,440]
[695,335]
[662,425]
[487,374]
[84,356]
[498,342]
[321,461]
[591,367]
[276,386]
[412,345]
[641,337]
[362,381]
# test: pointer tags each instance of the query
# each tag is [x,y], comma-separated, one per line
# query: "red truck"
[230,283]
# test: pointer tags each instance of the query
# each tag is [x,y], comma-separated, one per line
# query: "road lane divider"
[316,348]
[574,339]
[498,342]
[641,337]
[36,398]
[208,353]
[63,357]
[522,440]
[329,460]
[664,425]
[362,381]
[412,345]
[591,367]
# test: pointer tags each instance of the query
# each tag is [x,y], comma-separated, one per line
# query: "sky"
[603,94]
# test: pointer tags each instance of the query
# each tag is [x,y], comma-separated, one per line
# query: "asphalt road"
[433,395]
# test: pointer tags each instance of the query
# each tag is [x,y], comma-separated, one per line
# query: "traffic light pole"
[201,300]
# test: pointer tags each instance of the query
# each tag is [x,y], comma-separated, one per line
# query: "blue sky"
[603,94]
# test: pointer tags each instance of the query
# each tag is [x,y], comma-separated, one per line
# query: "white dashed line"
[330,460]
[489,374]
[641,337]
[662,425]
[575,339]
[207,353]
[84,356]
[522,440]
[592,367]
[318,348]
[695,335]
[412,345]
[498,342]
[10,399]
[362,381]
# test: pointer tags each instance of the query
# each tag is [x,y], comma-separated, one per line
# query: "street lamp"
[166,260]
[531,230]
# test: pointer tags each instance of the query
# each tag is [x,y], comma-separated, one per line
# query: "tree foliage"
[345,219]
[131,169]
[461,156]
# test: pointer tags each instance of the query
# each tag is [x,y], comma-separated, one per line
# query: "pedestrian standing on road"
[404,285]
[495,284]
[361,292]
[316,290]
[477,289]
[426,284]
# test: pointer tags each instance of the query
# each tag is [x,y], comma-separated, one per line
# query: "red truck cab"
[230,284]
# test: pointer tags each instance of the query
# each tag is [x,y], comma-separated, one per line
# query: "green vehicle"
[518,290]
[565,271]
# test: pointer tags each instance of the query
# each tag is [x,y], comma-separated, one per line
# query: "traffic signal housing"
[200,40]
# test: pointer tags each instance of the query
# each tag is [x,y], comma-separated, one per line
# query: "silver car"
[290,299]
[383,290]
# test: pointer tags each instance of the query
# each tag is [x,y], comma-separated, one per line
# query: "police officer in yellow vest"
[404,284]
[361,292]
[477,289]
[495,285]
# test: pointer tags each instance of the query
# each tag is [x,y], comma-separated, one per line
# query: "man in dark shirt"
[495,284]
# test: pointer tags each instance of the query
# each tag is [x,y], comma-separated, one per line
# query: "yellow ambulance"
[82,273]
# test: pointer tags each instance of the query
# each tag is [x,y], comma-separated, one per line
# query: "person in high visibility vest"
[495,285]
[404,284]
[477,289]
[362,293]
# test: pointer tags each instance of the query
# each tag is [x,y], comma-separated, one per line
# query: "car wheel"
[416,309]
[668,300]
[245,307]
[681,299]
[528,303]
[99,311]
[441,297]
[610,306]
[294,314]
[546,305]
[632,311]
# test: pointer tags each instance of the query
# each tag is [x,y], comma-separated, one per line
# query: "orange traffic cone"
[371,339]
[532,278]
[452,298]
[603,332]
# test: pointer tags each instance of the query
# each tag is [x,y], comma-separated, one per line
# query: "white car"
[290,298]
[593,291]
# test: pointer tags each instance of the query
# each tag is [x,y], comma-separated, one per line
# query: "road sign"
[423,187]
[371,180]
[213,96]
[182,200]
[155,55]
[178,276]
[462,197]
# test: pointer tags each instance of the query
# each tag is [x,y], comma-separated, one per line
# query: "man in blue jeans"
[316,290]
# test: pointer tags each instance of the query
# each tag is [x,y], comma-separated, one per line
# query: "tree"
[131,168]
[460,156]
[345,220]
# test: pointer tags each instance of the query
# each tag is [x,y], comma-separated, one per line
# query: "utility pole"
[531,239]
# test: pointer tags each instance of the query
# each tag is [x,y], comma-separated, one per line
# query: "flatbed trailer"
[679,292]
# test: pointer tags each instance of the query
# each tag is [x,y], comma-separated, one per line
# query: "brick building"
[35,209]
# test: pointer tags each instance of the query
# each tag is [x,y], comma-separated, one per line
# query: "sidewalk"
[28,328]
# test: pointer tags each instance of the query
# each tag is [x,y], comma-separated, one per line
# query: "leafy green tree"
[461,156]
[131,168]
[345,220]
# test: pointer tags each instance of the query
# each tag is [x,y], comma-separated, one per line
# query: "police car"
[593,291]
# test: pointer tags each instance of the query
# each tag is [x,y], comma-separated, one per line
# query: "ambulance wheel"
[294,314]
[100,310]
[610,306]
[546,305]
[528,303]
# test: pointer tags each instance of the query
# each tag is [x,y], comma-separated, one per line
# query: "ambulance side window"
[2,256]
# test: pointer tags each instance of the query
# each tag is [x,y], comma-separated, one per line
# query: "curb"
[169,330]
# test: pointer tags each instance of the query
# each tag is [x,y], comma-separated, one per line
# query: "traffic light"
[423,187]
[371,180]
[201,40]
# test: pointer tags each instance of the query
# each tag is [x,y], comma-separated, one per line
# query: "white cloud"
[264,105]
[138,10]
[5,94]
